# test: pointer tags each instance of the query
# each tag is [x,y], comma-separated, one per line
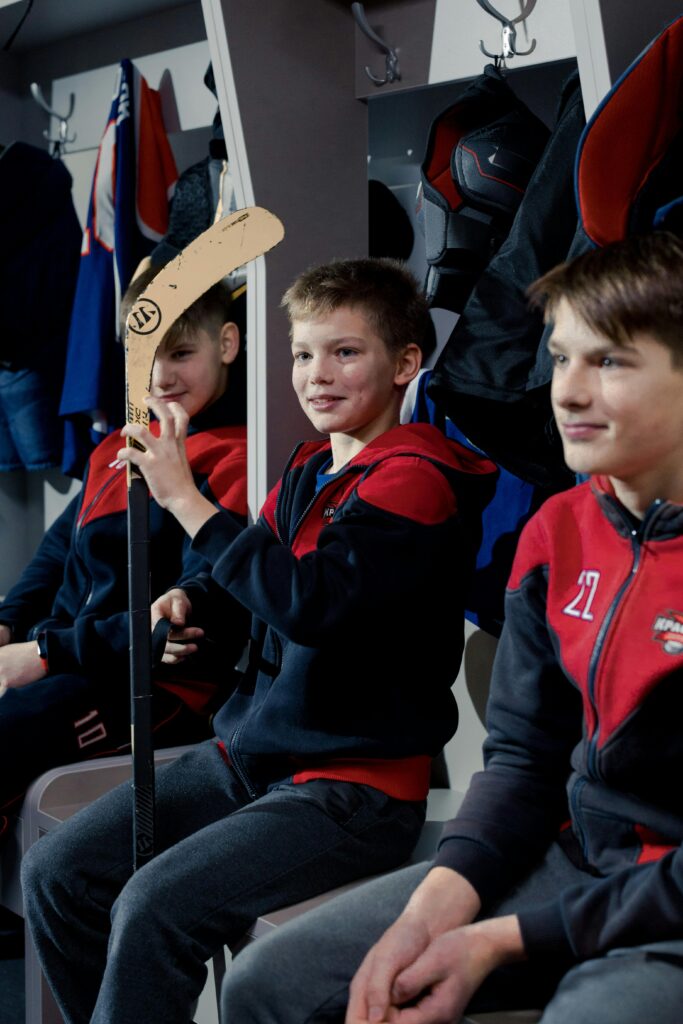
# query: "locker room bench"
[59,793]
[56,795]
[51,799]
[442,804]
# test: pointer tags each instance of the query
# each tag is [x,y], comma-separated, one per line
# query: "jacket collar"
[662,521]
[409,438]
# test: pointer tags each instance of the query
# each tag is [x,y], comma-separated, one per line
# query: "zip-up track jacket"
[73,595]
[584,722]
[354,646]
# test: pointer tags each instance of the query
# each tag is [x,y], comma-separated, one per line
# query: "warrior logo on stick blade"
[144,317]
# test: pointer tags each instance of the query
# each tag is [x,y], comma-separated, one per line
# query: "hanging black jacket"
[39,256]
[486,378]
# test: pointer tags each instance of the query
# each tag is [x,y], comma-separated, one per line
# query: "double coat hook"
[62,136]
[509,32]
[392,73]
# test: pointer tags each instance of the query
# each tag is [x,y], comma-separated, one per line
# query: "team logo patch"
[668,631]
[328,511]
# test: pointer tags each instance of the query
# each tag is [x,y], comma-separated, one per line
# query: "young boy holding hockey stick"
[64,626]
[320,767]
[559,884]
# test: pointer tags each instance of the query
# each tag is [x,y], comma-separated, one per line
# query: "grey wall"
[306,140]
[626,36]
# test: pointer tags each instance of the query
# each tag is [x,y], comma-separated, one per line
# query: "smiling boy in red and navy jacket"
[338,577]
[559,884]
[320,768]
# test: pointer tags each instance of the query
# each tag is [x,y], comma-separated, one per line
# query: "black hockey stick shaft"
[222,248]
[140,670]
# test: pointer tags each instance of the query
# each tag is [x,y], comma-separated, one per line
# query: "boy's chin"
[580,459]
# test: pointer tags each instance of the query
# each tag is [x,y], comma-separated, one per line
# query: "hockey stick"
[226,245]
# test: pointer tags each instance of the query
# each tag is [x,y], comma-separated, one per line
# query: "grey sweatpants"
[300,973]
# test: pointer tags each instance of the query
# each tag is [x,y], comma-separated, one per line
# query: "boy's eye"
[346,352]
[181,353]
[301,357]
[558,358]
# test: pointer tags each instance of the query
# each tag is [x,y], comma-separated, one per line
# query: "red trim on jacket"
[196,693]
[211,452]
[653,846]
[405,778]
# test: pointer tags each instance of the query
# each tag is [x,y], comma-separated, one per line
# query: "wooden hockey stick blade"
[222,248]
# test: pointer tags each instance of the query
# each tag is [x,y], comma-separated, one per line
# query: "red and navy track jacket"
[357,629]
[584,724]
[74,592]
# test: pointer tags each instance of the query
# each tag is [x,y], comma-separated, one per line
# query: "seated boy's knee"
[243,988]
[140,907]
[43,866]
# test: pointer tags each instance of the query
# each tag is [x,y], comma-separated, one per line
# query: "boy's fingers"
[172,417]
[188,633]
[162,412]
[357,1009]
[175,653]
[137,431]
[178,648]
[179,609]
[180,420]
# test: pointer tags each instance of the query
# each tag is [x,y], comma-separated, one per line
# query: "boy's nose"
[571,388]
[163,375]
[320,371]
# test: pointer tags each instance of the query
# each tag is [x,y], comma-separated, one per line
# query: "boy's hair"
[630,287]
[210,311]
[384,289]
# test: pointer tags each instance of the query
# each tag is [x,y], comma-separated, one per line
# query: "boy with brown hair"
[559,884]
[320,767]
[64,626]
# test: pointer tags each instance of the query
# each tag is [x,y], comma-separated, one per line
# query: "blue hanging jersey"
[134,179]
[513,502]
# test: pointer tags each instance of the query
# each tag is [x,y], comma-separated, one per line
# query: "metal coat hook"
[508,32]
[62,137]
[393,73]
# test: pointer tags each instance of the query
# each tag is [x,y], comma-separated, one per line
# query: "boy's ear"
[408,364]
[229,341]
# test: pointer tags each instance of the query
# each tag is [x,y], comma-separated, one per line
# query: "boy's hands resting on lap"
[176,606]
[432,951]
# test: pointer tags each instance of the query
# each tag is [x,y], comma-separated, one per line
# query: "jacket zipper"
[237,764]
[637,538]
[597,653]
[592,759]
[80,522]
[579,832]
[108,483]
[304,514]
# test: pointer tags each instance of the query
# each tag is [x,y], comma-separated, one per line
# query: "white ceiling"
[52,20]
